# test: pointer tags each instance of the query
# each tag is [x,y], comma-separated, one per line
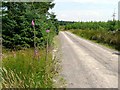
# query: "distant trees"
[118,25]
[65,22]
[17,31]
[112,25]
[102,32]
[109,25]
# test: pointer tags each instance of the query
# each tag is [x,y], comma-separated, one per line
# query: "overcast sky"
[85,10]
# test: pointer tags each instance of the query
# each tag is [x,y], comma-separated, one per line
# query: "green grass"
[21,70]
[108,39]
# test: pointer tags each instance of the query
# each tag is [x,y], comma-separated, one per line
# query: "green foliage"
[103,32]
[112,25]
[118,25]
[111,38]
[20,70]
[107,26]
[17,31]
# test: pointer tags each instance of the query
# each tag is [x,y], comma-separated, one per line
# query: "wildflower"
[47,31]
[33,23]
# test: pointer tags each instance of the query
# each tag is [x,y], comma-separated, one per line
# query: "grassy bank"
[21,70]
[109,38]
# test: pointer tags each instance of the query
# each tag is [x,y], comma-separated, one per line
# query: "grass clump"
[109,38]
[21,70]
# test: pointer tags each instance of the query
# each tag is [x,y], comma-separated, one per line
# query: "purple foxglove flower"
[33,23]
[47,31]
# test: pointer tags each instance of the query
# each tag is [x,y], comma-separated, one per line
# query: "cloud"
[85,10]
[91,1]
[81,15]
[80,1]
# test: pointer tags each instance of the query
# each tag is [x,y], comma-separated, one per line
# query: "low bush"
[112,38]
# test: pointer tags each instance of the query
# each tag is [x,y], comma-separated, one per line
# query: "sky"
[85,10]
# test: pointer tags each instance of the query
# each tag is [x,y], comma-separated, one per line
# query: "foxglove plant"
[33,24]
[35,50]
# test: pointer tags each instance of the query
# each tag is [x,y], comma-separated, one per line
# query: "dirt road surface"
[86,64]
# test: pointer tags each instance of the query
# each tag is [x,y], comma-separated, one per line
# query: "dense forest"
[17,30]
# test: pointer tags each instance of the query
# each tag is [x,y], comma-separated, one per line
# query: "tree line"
[108,26]
[102,32]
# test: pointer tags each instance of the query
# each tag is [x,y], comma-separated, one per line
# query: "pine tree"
[17,31]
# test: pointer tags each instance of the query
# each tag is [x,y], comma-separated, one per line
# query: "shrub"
[106,37]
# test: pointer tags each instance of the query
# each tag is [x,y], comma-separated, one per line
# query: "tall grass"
[111,38]
[21,70]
